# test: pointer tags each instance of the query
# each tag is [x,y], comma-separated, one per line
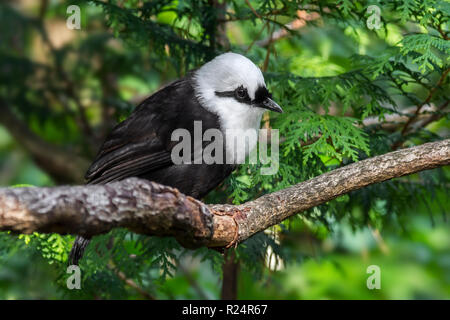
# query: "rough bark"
[148,208]
[139,205]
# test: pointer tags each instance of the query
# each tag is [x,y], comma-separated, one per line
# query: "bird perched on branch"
[227,93]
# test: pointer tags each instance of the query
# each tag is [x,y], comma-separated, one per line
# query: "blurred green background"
[62,90]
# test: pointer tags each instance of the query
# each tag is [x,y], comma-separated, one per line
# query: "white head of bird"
[233,87]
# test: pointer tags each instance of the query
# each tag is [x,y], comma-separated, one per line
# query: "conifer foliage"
[348,91]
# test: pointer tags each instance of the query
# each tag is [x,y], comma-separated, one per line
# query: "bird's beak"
[271,105]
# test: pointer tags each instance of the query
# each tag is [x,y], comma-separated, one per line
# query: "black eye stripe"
[229,94]
[260,95]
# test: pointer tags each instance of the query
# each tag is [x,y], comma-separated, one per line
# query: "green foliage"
[330,77]
[53,247]
[426,45]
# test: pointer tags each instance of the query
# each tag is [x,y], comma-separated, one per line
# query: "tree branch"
[149,208]
[302,20]
[431,92]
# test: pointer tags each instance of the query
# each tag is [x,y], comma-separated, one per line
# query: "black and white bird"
[226,93]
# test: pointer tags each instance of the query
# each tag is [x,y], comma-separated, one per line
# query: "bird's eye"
[241,93]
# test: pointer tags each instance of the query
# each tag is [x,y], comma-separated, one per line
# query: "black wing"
[141,144]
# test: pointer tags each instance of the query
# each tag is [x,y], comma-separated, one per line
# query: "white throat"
[225,73]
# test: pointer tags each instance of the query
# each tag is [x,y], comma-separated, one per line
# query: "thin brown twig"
[438,115]
[266,117]
[122,276]
[235,18]
[194,284]
[269,48]
[302,18]
[427,100]
[253,10]
[442,33]
[419,108]
[257,37]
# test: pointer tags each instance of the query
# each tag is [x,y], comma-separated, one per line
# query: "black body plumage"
[227,94]
[141,145]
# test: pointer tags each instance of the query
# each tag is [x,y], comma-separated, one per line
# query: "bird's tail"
[77,251]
